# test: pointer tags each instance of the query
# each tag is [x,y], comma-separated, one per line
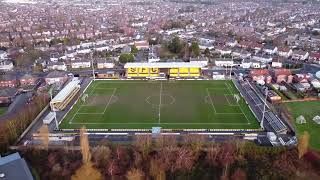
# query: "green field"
[308,110]
[166,104]
[3,110]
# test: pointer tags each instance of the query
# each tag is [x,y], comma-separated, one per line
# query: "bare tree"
[135,174]
[101,155]
[303,144]
[87,170]
[156,170]
[195,141]
[44,136]
[84,145]
[144,143]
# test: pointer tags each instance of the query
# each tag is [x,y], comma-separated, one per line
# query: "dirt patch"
[98,100]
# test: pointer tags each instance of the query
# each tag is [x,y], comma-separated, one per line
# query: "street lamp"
[93,74]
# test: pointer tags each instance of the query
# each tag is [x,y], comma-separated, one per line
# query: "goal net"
[236,97]
[301,120]
[316,119]
[84,97]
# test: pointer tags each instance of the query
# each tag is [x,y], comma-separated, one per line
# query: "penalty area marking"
[230,104]
[105,108]
[230,91]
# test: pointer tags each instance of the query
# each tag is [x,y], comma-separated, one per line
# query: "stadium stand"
[63,98]
[174,69]
[271,121]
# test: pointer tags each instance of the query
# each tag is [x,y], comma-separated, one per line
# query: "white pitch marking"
[211,101]
[239,105]
[160,103]
[114,91]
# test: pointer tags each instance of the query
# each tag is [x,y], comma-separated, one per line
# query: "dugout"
[164,69]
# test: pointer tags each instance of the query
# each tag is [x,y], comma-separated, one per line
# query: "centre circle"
[155,100]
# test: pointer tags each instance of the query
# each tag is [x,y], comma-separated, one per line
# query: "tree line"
[164,158]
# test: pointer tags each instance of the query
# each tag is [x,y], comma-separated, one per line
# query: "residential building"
[13,167]
[141,45]
[260,75]
[28,80]
[104,64]
[300,55]
[58,77]
[6,65]
[8,80]
[59,66]
[284,52]
[282,75]
[7,95]
[224,62]
[80,63]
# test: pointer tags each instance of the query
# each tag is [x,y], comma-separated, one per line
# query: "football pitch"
[166,104]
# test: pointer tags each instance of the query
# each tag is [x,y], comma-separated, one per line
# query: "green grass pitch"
[166,104]
[308,110]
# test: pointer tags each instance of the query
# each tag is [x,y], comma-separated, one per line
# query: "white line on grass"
[211,101]
[114,91]
[168,123]
[160,103]
[238,104]
[70,122]
[230,104]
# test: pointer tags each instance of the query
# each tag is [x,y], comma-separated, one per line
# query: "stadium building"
[164,69]
[63,98]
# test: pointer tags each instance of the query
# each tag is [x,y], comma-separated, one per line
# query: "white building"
[224,62]
[105,64]
[59,66]
[78,64]
[6,65]
[3,55]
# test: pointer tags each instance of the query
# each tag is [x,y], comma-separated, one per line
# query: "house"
[59,66]
[315,57]
[141,45]
[277,62]
[101,48]
[80,63]
[53,77]
[273,97]
[282,75]
[270,49]
[8,80]
[3,55]
[28,80]
[284,52]
[262,58]
[13,167]
[241,53]
[224,62]
[260,75]
[302,87]
[104,64]
[301,78]
[6,65]
[223,50]
[300,55]
[7,95]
